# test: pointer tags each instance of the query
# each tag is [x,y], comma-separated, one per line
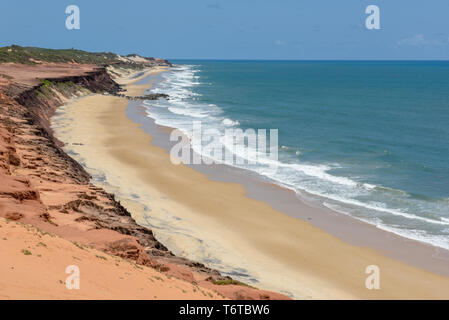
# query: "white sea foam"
[230,123]
[188,112]
[352,197]
[418,235]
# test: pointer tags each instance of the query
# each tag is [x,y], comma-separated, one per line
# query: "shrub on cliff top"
[30,55]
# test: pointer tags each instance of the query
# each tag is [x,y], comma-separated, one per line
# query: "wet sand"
[223,224]
[342,226]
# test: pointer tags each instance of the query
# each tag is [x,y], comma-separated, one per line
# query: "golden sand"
[216,222]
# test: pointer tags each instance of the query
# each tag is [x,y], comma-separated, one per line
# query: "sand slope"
[34,267]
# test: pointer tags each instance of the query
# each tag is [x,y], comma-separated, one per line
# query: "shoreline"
[240,227]
[52,216]
[345,227]
[46,194]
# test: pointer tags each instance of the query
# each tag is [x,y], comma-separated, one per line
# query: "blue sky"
[235,29]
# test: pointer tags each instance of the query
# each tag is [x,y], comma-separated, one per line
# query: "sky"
[235,29]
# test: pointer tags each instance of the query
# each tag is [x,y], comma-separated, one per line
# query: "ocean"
[366,139]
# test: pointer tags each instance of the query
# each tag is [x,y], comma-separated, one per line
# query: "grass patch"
[78,245]
[26,252]
[231,281]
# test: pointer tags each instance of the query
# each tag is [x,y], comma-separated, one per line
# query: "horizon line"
[315,60]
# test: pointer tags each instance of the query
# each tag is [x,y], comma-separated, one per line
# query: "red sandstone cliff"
[43,186]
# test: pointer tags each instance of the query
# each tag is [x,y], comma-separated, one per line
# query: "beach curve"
[295,258]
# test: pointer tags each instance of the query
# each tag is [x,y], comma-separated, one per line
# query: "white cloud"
[280,43]
[416,40]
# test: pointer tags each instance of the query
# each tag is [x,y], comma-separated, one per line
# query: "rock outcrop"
[43,186]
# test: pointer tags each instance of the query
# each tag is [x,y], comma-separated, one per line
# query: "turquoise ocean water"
[368,139]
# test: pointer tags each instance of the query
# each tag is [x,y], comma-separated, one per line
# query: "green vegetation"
[33,55]
[231,281]
[5,76]
[29,55]
[26,252]
[158,278]
[47,90]
[46,83]
[78,245]
[66,84]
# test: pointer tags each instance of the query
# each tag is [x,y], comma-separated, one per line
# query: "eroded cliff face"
[42,100]
[43,186]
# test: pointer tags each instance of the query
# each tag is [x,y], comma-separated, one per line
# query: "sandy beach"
[216,222]
[53,217]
